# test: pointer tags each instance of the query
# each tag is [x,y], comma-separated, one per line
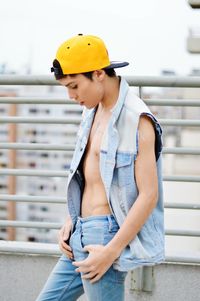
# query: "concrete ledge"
[25,267]
[17,247]
[23,276]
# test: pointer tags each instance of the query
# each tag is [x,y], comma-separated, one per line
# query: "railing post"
[142,279]
[11,206]
[140,91]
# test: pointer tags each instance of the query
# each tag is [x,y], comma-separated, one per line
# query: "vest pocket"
[123,170]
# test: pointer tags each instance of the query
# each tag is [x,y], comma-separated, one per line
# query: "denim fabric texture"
[119,149]
[65,284]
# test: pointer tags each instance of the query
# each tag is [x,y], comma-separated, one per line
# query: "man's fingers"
[66,235]
[83,270]
[66,246]
[96,278]
[69,254]
[90,275]
[61,231]
[79,263]
[66,249]
[89,248]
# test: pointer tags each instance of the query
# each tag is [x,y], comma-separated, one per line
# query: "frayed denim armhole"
[158,141]
[137,144]
[158,136]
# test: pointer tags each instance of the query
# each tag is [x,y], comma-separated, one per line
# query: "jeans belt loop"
[110,223]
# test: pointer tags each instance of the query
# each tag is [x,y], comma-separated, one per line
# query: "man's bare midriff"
[94,200]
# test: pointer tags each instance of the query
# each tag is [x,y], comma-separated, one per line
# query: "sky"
[150,34]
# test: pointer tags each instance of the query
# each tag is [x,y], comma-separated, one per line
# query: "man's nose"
[72,95]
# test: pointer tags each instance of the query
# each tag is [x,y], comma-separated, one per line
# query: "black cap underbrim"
[115,64]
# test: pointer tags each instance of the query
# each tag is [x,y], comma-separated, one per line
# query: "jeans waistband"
[104,219]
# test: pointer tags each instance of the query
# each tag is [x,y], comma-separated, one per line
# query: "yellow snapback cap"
[82,53]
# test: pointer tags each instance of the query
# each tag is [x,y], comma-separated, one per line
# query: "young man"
[114,194]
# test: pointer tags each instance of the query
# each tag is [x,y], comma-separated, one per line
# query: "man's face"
[83,90]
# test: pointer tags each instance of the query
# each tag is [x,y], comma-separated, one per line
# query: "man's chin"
[89,106]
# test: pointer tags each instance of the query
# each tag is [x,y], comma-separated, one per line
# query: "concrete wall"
[22,277]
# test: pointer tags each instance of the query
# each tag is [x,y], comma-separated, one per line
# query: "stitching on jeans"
[66,287]
[101,296]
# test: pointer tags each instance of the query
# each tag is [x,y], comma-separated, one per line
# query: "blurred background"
[151,35]
[157,37]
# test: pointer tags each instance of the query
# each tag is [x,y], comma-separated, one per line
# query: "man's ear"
[99,75]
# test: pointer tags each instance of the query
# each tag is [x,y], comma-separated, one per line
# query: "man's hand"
[63,236]
[96,264]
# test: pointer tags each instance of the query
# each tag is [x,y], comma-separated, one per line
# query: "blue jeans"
[65,284]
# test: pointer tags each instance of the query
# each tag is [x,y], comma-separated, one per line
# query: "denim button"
[71,170]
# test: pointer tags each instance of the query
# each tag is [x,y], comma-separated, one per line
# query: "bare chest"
[95,138]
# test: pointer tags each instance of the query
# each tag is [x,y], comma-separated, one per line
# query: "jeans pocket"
[108,235]
[120,276]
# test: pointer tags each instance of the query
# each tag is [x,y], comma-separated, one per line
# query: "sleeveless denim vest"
[118,153]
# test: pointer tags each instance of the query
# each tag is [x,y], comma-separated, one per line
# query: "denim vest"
[118,153]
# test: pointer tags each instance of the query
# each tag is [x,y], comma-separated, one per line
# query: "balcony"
[25,265]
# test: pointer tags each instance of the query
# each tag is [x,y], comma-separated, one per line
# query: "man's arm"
[147,184]
[102,257]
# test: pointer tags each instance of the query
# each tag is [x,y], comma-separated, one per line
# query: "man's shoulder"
[134,103]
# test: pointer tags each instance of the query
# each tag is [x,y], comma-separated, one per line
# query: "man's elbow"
[154,197]
[151,197]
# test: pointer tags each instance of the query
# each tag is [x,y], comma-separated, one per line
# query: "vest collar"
[123,90]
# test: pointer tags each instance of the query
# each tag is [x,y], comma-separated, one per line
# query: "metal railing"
[139,82]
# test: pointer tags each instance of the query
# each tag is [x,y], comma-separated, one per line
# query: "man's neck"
[111,93]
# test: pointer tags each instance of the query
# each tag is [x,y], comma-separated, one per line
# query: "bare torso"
[94,200]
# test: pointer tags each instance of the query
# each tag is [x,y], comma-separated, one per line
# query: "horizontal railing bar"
[68,102]
[177,178]
[179,122]
[46,225]
[170,205]
[30,172]
[46,120]
[33,199]
[71,147]
[71,120]
[62,200]
[37,146]
[148,81]
[29,248]
[181,150]
[176,232]
[173,102]
[23,224]
[24,80]
[35,248]
[57,173]
[183,259]
[164,81]
[38,100]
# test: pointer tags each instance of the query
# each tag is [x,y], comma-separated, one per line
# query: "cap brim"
[115,64]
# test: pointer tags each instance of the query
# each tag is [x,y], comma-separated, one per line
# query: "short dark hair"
[110,72]
[58,75]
